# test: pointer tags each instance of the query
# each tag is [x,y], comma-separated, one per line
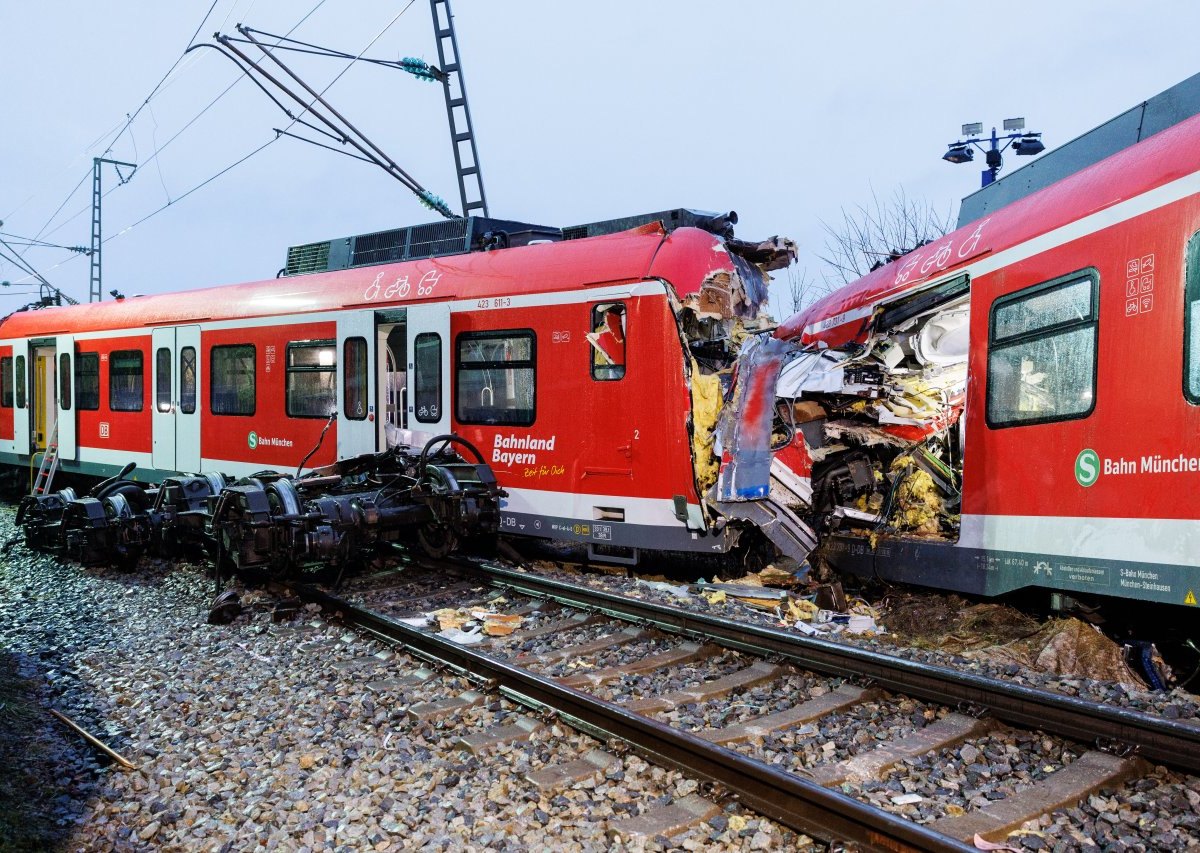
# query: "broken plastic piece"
[677,591]
[830,596]
[463,638]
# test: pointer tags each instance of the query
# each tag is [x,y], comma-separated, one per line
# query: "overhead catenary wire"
[163,83]
[343,130]
[153,156]
[18,240]
[130,118]
[250,154]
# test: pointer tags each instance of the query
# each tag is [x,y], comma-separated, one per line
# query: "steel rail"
[1171,742]
[790,799]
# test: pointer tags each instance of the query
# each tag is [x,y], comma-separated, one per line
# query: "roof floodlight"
[1014,123]
[973,129]
[1028,145]
[960,152]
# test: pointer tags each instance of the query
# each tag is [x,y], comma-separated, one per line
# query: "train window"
[125,381]
[608,341]
[87,381]
[64,381]
[354,378]
[1042,352]
[1191,322]
[311,379]
[496,378]
[187,380]
[162,381]
[6,382]
[231,382]
[427,382]
[20,377]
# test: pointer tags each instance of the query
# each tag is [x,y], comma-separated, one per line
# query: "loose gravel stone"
[263,736]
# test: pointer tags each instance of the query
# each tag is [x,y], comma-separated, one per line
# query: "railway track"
[659,680]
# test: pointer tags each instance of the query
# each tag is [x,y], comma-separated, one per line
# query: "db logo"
[1087,467]
[252,440]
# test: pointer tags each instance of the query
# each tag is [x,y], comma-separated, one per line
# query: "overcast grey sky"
[783,111]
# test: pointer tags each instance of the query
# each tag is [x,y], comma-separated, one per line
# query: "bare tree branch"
[877,233]
[804,288]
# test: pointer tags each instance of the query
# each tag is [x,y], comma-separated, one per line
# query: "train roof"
[844,316]
[683,257]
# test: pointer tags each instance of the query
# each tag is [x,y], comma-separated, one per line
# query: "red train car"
[569,364]
[1016,404]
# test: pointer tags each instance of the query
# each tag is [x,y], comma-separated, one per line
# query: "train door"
[428,368]
[356,414]
[21,396]
[391,374]
[64,408]
[42,395]
[175,377]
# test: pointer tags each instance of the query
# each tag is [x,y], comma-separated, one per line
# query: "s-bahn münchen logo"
[1087,467]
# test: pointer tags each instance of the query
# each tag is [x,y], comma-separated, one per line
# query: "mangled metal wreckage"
[854,430]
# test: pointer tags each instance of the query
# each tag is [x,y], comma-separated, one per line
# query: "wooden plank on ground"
[1062,789]
[819,706]
[872,764]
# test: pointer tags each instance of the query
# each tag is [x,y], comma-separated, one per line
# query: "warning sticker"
[1190,598]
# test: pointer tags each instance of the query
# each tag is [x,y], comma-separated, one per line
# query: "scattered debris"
[224,608]
[756,596]
[463,638]
[467,621]
[1002,635]
[678,591]
[831,596]
[819,609]
[95,741]
[498,624]
[449,618]
[1065,647]
[907,799]
[285,609]
[774,575]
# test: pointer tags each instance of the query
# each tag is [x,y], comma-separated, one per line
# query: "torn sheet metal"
[745,428]
[774,254]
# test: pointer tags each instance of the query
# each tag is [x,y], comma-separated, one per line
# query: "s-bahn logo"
[1087,467]
[252,440]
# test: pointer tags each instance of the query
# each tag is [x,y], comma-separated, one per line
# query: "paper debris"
[449,617]
[907,799]
[500,624]
[463,638]
[661,586]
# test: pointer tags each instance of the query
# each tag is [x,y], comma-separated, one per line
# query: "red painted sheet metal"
[687,257]
[528,269]
[843,316]
[1140,410]
[104,428]
[598,437]
[278,441]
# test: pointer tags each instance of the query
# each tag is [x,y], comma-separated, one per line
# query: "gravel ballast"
[262,736]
